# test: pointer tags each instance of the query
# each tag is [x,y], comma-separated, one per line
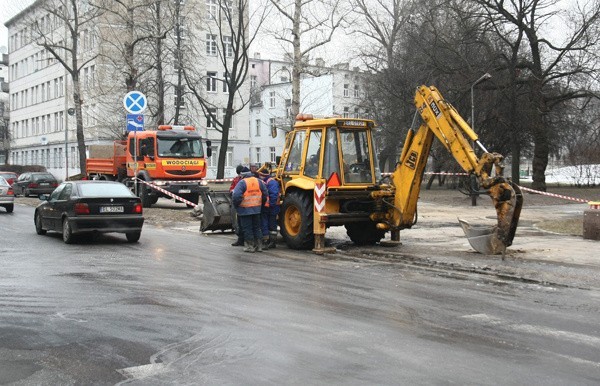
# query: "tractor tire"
[146,195]
[297,220]
[364,233]
[194,197]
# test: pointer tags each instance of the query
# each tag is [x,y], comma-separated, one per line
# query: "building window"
[272,154]
[211,9]
[356,91]
[211,81]
[253,81]
[257,155]
[257,132]
[225,82]
[356,112]
[211,118]
[346,90]
[211,45]
[346,112]
[229,157]
[272,99]
[228,46]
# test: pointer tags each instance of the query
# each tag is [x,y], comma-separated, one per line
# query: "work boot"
[238,243]
[249,246]
[258,245]
[272,240]
[265,242]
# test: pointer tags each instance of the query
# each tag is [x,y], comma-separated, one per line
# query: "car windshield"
[179,147]
[104,190]
[37,177]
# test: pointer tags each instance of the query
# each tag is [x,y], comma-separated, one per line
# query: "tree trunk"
[297,66]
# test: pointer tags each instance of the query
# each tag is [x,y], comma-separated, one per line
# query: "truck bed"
[108,164]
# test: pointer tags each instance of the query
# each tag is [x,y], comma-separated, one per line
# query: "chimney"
[257,55]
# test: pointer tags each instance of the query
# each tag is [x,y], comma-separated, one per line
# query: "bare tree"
[62,40]
[552,71]
[308,25]
[228,37]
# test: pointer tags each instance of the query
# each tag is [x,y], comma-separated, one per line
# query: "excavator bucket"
[217,211]
[508,200]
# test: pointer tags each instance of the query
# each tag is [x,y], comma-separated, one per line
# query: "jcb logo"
[435,109]
[411,160]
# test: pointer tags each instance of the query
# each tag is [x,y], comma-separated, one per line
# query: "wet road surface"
[182,308]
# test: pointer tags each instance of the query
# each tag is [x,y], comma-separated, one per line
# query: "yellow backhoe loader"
[329,177]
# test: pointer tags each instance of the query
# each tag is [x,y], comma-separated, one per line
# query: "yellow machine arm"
[442,121]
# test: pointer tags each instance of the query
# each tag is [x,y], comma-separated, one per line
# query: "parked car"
[10,177]
[35,183]
[80,207]
[7,197]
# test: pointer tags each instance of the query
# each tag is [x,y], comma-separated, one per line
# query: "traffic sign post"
[135,103]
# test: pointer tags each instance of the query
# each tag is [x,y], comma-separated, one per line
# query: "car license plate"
[185,191]
[44,184]
[111,209]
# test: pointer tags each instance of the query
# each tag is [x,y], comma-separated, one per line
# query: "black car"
[80,207]
[34,183]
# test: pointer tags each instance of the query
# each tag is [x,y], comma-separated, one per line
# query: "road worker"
[249,196]
[270,210]
[238,228]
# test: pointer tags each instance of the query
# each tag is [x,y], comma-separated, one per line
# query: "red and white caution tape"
[174,196]
[555,195]
[433,173]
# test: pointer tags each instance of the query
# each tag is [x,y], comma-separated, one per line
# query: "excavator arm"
[442,121]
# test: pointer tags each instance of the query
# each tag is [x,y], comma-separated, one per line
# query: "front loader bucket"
[508,200]
[218,213]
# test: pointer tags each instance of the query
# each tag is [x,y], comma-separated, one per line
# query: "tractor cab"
[338,150]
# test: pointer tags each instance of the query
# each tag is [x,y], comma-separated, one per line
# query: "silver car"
[7,196]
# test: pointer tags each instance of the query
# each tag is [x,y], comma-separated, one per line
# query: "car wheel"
[9,208]
[38,225]
[67,233]
[26,193]
[133,237]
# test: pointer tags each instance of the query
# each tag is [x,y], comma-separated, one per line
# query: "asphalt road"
[182,308]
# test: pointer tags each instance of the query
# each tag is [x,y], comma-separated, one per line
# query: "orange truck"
[171,158]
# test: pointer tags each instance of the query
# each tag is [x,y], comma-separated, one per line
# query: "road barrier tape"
[434,173]
[555,195]
[221,180]
[174,196]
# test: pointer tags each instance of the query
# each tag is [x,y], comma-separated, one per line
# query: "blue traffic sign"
[135,102]
[135,122]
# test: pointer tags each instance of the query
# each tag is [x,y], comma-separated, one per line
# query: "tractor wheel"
[194,197]
[297,220]
[364,233]
[145,195]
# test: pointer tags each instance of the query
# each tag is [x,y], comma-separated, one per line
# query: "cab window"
[356,156]
[295,158]
[331,160]
[313,154]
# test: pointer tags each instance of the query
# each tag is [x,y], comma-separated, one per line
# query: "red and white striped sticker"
[320,196]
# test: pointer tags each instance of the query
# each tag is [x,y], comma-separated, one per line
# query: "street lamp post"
[482,78]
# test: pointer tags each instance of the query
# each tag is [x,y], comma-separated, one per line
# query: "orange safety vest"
[253,195]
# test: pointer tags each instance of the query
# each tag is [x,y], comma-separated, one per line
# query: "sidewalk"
[535,256]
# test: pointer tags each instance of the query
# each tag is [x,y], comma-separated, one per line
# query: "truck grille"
[181,172]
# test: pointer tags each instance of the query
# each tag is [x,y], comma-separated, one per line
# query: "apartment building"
[42,123]
[324,91]
[4,137]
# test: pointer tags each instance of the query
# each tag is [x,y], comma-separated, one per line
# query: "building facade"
[324,92]
[41,125]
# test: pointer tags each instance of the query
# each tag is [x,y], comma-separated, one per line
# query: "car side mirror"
[43,197]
